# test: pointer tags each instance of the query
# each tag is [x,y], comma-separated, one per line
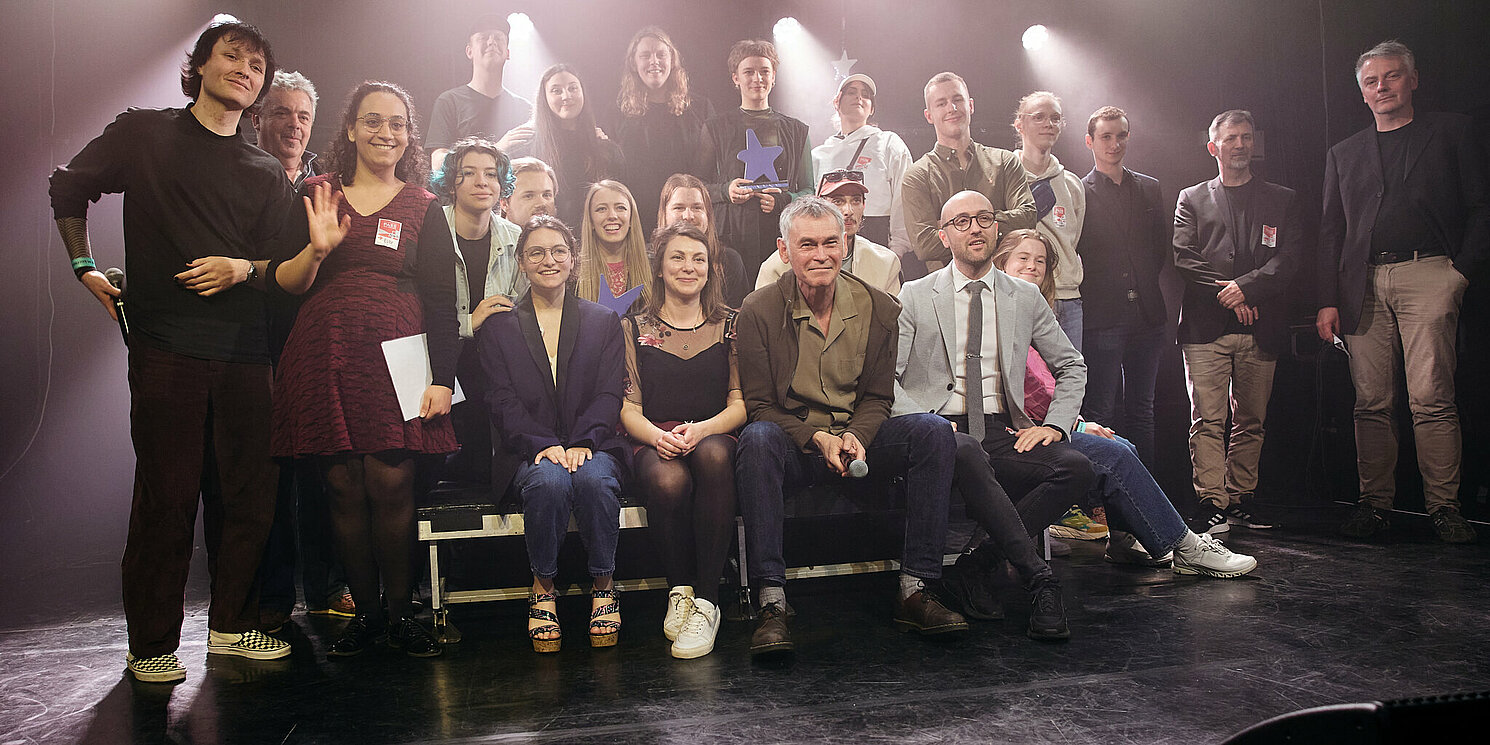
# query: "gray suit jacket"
[923,365]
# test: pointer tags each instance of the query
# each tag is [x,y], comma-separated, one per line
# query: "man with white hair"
[283,122]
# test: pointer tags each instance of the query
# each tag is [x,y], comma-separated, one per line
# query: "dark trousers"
[302,525]
[1124,359]
[472,422]
[988,504]
[768,465]
[1043,482]
[194,421]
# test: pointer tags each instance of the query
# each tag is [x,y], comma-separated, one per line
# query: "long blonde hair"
[1012,239]
[592,270]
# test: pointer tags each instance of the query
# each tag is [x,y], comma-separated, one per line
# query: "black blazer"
[1114,261]
[1205,243]
[1446,178]
[530,412]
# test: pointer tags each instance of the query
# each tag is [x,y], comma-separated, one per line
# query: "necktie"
[974,381]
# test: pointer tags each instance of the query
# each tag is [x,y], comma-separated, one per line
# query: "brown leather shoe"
[772,635]
[924,613]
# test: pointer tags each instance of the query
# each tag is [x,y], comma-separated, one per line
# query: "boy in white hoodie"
[882,157]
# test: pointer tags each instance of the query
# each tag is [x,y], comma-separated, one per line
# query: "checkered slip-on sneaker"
[164,668]
[255,645]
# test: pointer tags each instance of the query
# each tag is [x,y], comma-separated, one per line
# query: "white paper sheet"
[408,365]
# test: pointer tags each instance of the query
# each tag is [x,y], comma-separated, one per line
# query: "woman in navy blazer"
[556,365]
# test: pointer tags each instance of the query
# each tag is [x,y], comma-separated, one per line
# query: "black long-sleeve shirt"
[188,193]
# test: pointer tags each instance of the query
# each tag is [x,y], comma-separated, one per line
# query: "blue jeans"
[1068,315]
[768,465]
[550,493]
[1124,357]
[1135,503]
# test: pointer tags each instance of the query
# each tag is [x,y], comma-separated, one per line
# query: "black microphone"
[857,469]
[115,276]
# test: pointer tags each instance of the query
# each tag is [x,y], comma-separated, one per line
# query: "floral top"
[676,374]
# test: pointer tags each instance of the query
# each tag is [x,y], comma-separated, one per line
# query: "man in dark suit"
[1236,244]
[1124,246]
[1405,223]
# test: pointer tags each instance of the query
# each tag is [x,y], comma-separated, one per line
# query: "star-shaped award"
[843,65]
[759,161]
[618,305]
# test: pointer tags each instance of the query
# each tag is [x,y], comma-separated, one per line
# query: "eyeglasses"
[1041,117]
[834,177]
[963,222]
[538,255]
[374,123]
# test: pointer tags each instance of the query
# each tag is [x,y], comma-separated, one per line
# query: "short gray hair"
[1388,48]
[1230,118]
[294,81]
[808,206]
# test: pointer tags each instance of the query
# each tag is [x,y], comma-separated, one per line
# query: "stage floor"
[1154,658]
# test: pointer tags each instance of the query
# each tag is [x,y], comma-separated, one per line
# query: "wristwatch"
[253,272]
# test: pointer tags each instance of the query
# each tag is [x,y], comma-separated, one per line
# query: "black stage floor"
[1154,659]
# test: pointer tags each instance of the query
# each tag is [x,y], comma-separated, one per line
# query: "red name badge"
[1060,216]
[388,233]
[1270,236]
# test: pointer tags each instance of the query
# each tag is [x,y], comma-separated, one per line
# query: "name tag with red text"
[1270,236]
[388,233]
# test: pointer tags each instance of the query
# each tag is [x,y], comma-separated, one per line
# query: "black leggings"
[372,517]
[691,504]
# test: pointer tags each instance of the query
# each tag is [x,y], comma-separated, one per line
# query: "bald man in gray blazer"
[935,362]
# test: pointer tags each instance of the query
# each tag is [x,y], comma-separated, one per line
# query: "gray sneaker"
[1123,548]
[1365,521]
[1451,526]
[1212,559]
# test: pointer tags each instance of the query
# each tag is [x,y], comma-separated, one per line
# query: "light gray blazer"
[923,365]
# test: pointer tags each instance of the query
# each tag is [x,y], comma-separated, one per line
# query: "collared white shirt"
[993,399]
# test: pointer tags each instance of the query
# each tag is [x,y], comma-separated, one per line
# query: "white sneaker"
[255,645]
[1123,548]
[696,638]
[1212,559]
[166,668]
[677,611]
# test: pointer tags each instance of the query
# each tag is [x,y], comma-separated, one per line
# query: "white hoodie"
[884,161]
[1063,224]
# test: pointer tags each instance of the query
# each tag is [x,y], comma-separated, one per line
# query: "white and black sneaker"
[1208,518]
[164,668]
[1237,515]
[1208,557]
[1124,548]
[253,644]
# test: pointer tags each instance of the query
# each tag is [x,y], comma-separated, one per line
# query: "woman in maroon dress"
[376,266]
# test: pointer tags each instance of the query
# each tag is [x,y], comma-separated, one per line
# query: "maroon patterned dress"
[333,392]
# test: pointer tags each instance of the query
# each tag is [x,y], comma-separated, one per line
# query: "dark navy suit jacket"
[531,412]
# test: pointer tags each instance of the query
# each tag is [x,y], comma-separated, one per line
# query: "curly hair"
[633,96]
[537,222]
[244,33]
[712,298]
[444,181]
[412,167]
[1012,239]
[592,276]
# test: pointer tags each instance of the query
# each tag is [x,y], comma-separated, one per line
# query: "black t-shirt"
[462,112]
[1401,226]
[1244,242]
[657,145]
[476,254]
[188,193]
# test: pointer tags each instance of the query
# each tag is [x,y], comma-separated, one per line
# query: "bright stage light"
[1035,37]
[786,25]
[222,18]
[520,23]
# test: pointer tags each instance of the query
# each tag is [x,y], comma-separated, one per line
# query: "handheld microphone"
[857,469]
[115,276]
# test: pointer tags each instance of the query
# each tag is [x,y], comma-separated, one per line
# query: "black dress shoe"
[360,634]
[413,639]
[1048,614]
[969,590]
[923,612]
[772,634]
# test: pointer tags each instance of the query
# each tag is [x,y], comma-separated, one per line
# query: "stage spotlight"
[786,25]
[520,23]
[222,18]
[1035,37]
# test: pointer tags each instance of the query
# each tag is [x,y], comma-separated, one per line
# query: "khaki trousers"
[1411,313]
[1229,375]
